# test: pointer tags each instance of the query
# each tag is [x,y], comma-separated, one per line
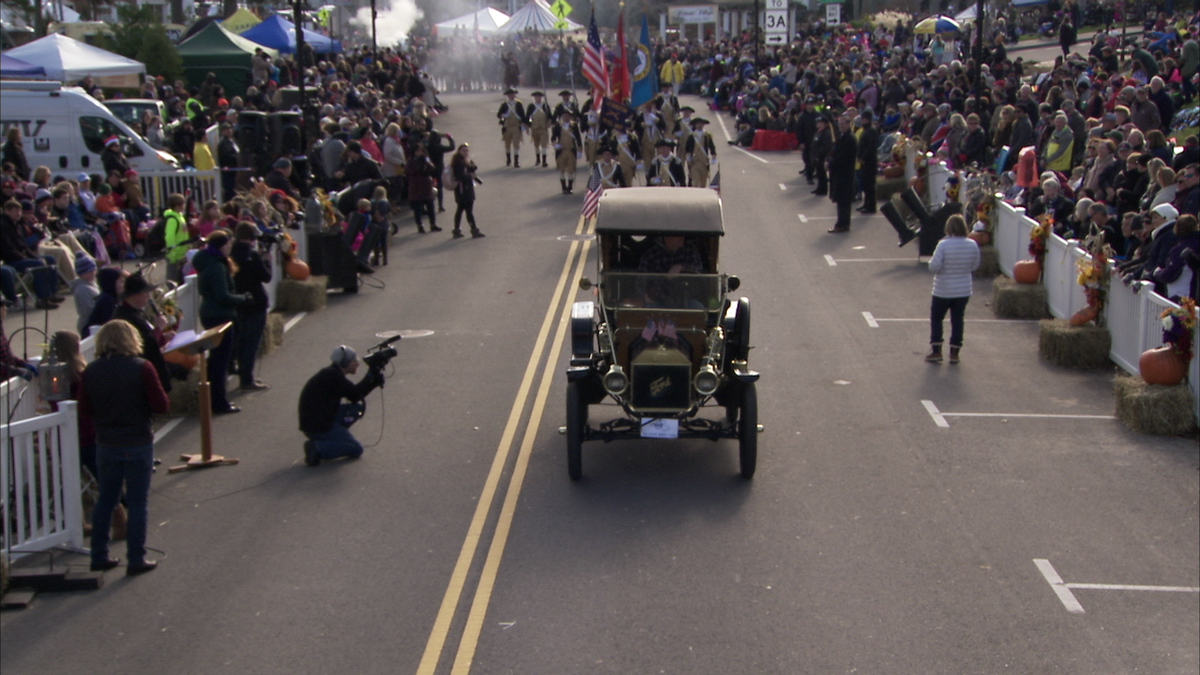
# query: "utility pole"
[298,16]
[756,10]
[374,44]
[978,74]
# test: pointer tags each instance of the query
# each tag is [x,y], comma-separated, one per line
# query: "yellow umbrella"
[936,24]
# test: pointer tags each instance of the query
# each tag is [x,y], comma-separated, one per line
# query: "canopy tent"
[240,21]
[11,67]
[534,16]
[216,50]
[279,33]
[937,24]
[967,15]
[199,25]
[68,60]
[1023,3]
[488,19]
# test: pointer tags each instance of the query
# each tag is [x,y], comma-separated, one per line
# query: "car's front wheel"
[748,431]
[576,423]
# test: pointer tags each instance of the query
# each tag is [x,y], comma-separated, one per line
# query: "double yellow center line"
[559,307]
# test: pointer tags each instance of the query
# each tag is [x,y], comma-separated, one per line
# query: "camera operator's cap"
[343,356]
[1166,211]
[282,163]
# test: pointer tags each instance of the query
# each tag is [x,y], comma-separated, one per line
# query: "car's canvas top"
[660,210]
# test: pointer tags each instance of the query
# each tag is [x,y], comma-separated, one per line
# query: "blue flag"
[644,73]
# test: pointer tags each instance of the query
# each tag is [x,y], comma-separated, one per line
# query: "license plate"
[660,428]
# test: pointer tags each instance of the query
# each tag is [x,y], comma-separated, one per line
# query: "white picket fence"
[40,473]
[158,185]
[1131,314]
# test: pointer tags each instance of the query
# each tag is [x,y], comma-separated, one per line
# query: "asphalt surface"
[871,540]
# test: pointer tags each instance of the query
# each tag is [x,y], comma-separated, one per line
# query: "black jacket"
[121,395]
[841,168]
[150,349]
[252,272]
[868,148]
[323,393]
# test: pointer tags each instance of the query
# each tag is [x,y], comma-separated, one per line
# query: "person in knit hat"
[84,289]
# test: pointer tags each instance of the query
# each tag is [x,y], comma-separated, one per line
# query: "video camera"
[269,238]
[377,357]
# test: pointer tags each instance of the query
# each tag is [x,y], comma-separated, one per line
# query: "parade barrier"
[158,185]
[42,506]
[1132,313]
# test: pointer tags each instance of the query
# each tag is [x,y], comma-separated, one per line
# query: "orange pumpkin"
[298,269]
[1084,316]
[1026,271]
[1162,366]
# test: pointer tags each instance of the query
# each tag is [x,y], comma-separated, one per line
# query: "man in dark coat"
[868,157]
[822,145]
[1066,36]
[438,144]
[806,128]
[358,166]
[841,174]
[134,298]
[228,160]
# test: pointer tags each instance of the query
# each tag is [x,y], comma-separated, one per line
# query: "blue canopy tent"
[12,67]
[280,34]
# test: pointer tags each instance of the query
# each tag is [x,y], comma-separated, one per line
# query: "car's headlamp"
[615,380]
[706,381]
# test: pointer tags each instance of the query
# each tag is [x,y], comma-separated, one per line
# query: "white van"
[65,128]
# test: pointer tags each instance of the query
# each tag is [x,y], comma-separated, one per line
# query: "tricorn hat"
[565,92]
[664,142]
[510,90]
[699,120]
[538,93]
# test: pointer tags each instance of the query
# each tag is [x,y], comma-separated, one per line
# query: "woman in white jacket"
[954,261]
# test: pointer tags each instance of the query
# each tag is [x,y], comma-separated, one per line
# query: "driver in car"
[668,255]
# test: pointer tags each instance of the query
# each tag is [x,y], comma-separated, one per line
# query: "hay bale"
[272,338]
[1153,408]
[184,395]
[989,263]
[1070,346]
[301,296]
[1011,300]
[886,188]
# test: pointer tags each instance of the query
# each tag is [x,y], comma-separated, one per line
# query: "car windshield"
[129,113]
[662,291]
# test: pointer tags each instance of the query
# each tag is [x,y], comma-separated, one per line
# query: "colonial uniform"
[538,118]
[669,109]
[629,155]
[650,129]
[566,106]
[567,144]
[666,170]
[512,123]
[700,151]
[683,126]
[612,173]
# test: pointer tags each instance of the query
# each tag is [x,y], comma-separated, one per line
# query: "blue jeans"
[937,312]
[218,364]
[44,271]
[8,283]
[132,467]
[337,442]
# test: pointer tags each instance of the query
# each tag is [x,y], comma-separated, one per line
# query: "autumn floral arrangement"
[1038,236]
[1179,323]
[1093,276]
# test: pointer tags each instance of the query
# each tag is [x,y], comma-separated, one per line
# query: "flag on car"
[715,183]
[594,68]
[591,201]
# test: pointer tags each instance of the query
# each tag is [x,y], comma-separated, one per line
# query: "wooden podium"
[200,344]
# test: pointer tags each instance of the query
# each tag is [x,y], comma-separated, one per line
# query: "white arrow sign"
[775,39]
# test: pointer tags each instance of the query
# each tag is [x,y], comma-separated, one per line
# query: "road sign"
[561,9]
[777,4]
[833,14]
[776,21]
[775,38]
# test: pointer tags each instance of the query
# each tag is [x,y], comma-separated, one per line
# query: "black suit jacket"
[841,168]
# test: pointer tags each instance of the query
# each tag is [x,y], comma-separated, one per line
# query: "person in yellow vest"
[202,157]
[512,125]
[567,146]
[699,150]
[1060,148]
[671,73]
[537,115]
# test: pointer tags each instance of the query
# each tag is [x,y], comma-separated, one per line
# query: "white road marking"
[750,154]
[783,187]
[167,428]
[850,260]
[870,320]
[1065,596]
[802,217]
[937,416]
[875,321]
[293,321]
[721,123]
[1068,599]
[829,259]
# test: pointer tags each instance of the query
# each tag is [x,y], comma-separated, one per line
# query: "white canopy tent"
[68,60]
[967,15]
[488,19]
[535,16]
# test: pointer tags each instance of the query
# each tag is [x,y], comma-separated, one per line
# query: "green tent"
[216,50]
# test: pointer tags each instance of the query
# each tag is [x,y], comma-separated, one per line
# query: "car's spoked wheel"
[576,422]
[748,431]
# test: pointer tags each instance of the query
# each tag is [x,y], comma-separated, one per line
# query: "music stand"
[199,345]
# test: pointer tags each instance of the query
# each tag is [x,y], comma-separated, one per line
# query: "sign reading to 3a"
[776,21]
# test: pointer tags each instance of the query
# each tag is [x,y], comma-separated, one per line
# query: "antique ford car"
[663,343]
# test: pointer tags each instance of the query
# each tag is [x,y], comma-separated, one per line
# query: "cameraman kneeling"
[324,418]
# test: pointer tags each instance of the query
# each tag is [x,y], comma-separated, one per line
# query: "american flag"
[591,201]
[715,183]
[594,68]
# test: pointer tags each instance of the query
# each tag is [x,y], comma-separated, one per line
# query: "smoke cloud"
[392,23]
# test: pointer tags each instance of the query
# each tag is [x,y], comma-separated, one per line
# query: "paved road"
[872,539]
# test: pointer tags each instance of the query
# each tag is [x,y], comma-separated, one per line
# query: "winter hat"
[84,263]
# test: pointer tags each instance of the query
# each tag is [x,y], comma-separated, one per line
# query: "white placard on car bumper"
[660,428]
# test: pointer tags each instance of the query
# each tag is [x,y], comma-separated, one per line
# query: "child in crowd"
[210,219]
[85,289]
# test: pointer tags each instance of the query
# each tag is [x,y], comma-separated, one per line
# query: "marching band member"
[567,146]
[699,151]
[667,169]
[512,124]
[537,117]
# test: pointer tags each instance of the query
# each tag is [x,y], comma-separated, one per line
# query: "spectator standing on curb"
[120,392]
[217,306]
[841,174]
[953,263]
